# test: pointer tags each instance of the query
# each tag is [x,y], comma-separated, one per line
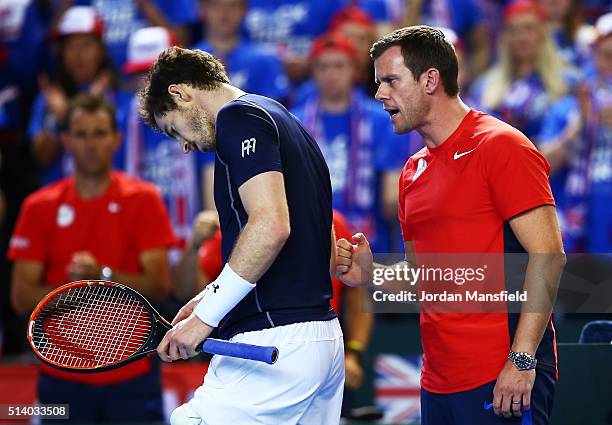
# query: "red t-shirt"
[455,199]
[128,219]
[211,263]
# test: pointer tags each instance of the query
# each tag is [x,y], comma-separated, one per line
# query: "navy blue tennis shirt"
[255,134]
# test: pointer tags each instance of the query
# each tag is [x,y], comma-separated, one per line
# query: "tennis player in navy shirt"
[273,196]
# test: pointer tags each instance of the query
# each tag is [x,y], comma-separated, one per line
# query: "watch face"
[523,361]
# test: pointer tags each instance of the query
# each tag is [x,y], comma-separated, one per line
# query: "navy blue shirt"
[255,135]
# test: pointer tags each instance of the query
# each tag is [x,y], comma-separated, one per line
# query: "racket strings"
[91,326]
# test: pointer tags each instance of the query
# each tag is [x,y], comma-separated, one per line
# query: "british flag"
[397,386]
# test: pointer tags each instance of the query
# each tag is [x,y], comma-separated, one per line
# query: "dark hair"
[423,47]
[176,65]
[65,80]
[572,20]
[90,104]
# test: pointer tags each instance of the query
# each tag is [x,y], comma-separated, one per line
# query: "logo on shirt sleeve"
[19,242]
[248,146]
[421,166]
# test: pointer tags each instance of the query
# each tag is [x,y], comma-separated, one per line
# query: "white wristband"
[221,296]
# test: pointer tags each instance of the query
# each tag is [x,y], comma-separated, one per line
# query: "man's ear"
[432,80]
[180,93]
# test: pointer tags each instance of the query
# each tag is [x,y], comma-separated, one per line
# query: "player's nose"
[381,93]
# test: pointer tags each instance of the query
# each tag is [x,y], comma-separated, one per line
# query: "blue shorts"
[473,407]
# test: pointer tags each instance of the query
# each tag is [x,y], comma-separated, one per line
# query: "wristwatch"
[106,273]
[522,361]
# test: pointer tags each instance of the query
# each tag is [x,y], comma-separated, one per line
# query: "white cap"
[144,47]
[604,26]
[80,20]
[452,37]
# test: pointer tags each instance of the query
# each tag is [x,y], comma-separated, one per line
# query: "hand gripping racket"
[92,326]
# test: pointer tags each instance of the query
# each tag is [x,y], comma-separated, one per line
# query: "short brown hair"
[423,47]
[176,65]
[90,104]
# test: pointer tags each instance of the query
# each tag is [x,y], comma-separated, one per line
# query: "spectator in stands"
[83,65]
[363,154]
[153,156]
[589,185]
[288,28]
[24,27]
[464,18]
[249,66]
[464,78]
[529,75]
[355,23]
[565,20]
[386,14]
[96,224]
[201,264]
[122,17]
[529,87]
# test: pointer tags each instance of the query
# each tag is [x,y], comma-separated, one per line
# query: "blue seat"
[598,331]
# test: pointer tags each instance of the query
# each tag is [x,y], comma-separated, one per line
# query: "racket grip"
[237,349]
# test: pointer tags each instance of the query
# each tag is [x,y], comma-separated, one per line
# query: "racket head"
[93,326]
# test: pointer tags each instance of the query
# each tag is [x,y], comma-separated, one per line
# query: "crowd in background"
[543,66]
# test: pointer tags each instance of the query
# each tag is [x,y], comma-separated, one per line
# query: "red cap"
[144,46]
[333,41]
[352,14]
[79,20]
[521,7]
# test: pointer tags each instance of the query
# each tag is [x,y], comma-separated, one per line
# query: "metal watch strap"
[522,361]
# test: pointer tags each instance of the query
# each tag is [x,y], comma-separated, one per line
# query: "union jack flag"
[397,386]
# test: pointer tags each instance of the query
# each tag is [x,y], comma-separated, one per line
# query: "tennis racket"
[93,326]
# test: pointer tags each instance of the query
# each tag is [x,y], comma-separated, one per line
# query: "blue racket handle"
[240,350]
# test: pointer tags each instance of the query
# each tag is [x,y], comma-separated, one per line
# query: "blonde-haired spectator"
[529,75]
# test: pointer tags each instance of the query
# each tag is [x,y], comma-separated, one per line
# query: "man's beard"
[414,118]
[202,125]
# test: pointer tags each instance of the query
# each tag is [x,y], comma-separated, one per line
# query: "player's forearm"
[258,246]
[359,315]
[541,284]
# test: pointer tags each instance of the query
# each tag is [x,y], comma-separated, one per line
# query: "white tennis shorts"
[303,387]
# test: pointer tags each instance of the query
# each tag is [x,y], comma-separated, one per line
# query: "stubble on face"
[415,108]
[202,128]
